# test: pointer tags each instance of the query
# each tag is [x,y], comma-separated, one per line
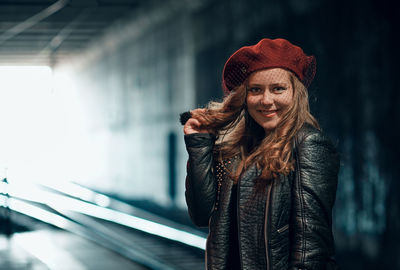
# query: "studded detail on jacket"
[286,224]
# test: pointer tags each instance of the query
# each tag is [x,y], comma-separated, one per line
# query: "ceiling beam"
[33,20]
[51,48]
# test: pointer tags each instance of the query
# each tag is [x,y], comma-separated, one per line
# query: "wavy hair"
[239,135]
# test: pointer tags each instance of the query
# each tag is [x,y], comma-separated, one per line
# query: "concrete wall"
[131,88]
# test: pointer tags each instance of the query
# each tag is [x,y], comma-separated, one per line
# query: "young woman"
[260,172]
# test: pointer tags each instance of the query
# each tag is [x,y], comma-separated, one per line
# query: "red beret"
[268,53]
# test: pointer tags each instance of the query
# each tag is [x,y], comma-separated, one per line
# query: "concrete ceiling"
[49,31]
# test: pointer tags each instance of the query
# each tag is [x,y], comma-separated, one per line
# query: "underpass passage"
[120,240]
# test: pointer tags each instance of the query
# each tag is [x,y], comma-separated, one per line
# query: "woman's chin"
[269,126]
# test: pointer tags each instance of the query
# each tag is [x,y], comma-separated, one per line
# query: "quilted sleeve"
[200,183]
[313,193]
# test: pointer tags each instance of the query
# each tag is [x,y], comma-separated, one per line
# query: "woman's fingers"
[202,110]
[193,126]
[199,114]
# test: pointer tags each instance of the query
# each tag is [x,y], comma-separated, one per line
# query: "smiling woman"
[260,173]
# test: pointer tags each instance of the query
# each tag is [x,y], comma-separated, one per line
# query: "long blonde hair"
[239,135]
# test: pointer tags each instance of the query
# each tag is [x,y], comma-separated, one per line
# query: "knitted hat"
[268,53]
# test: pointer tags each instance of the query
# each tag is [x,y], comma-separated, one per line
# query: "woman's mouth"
[268,113]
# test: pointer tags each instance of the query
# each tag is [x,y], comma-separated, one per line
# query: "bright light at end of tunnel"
[30,78]
[26,121]
[45,128]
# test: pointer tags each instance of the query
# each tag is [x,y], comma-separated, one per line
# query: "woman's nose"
[266,98]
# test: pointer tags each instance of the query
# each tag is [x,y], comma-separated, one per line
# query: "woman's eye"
[254,90]
[279,88]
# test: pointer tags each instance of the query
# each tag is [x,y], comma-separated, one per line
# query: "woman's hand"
[193,125]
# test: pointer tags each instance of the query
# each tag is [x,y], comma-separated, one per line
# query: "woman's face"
[269,95]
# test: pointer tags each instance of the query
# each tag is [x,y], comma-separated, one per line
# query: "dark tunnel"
[92,153]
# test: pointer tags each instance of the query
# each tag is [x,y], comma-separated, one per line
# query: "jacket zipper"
[284,228]
[267,225]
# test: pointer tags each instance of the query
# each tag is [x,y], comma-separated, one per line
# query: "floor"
[57,250]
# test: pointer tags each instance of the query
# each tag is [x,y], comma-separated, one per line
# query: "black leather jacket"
[286,225]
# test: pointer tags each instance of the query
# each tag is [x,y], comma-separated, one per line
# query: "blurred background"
[92,159]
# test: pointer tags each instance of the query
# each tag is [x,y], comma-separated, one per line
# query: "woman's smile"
[268,113]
